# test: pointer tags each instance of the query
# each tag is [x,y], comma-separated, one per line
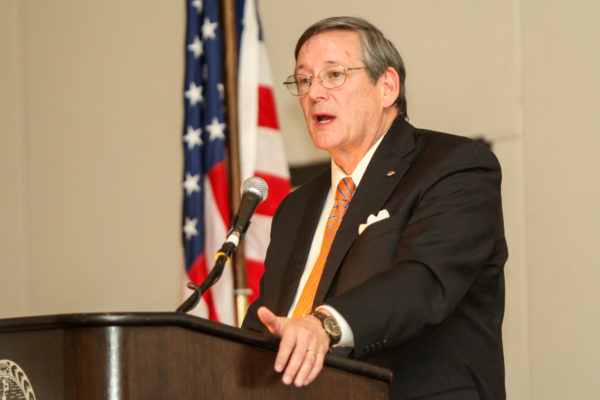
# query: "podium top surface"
[175,319]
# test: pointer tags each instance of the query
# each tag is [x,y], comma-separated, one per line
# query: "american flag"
[206,213]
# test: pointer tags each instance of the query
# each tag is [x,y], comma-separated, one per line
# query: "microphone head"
[257,186]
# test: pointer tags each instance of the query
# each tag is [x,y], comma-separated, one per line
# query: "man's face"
[346,120]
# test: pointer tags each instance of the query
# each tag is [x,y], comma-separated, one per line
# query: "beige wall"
[13,202]
[561,104]
[93,156]
[90,153]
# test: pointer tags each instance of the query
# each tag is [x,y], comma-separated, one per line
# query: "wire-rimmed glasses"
[329,78]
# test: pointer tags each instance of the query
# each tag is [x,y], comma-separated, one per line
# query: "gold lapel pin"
[390,173]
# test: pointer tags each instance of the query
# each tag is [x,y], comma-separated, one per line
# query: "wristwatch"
[330,325]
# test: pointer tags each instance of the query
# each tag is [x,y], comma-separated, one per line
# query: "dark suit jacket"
[423,290]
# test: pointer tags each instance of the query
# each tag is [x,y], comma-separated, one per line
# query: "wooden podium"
[161,356]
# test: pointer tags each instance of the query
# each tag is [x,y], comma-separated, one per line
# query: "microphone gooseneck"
[254,191]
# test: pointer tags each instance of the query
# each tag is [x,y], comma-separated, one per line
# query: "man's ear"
[390,85]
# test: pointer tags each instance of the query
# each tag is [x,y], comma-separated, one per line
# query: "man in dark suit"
[406,271]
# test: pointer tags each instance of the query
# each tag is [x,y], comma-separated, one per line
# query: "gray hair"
[378,52]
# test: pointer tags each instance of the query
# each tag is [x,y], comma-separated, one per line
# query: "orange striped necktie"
[343,195]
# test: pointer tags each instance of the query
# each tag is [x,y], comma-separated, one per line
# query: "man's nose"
[317,91]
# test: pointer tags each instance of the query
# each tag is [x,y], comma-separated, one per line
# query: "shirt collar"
[337,174]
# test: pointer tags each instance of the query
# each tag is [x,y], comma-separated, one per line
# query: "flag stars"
[221,90]
[216,130]
[195,47]
[197,4]
[191,184]
[209,28]
[194,94]
[189,228]
[192,137]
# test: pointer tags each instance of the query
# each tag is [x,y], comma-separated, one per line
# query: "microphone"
[254,191]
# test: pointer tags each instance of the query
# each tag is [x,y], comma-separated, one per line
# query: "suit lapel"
[313,205]
[374,190]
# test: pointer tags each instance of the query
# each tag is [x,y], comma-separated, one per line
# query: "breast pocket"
[373,251]
[378,228]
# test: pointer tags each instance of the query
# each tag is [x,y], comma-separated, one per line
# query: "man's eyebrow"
[328,62]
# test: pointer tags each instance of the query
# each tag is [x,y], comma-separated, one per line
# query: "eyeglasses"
[329,78]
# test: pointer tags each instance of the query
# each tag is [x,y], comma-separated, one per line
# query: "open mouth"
[323,118]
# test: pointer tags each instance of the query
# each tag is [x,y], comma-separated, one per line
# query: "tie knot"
[345,189]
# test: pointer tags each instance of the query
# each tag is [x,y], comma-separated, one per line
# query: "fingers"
[301,362]
[302,348]
[304,345]
[311,364]
[286,347]
[317,367]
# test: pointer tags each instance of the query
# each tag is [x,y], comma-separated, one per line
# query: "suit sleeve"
[451,232]
[251,320]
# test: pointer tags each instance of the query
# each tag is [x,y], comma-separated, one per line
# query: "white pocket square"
[381,215]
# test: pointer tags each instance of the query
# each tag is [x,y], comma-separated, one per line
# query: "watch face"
[332,327]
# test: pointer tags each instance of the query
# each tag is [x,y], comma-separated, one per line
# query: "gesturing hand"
[303,346]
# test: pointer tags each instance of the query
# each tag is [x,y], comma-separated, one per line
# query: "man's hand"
[303,346]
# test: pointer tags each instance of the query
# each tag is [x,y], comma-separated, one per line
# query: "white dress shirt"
[337,174]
